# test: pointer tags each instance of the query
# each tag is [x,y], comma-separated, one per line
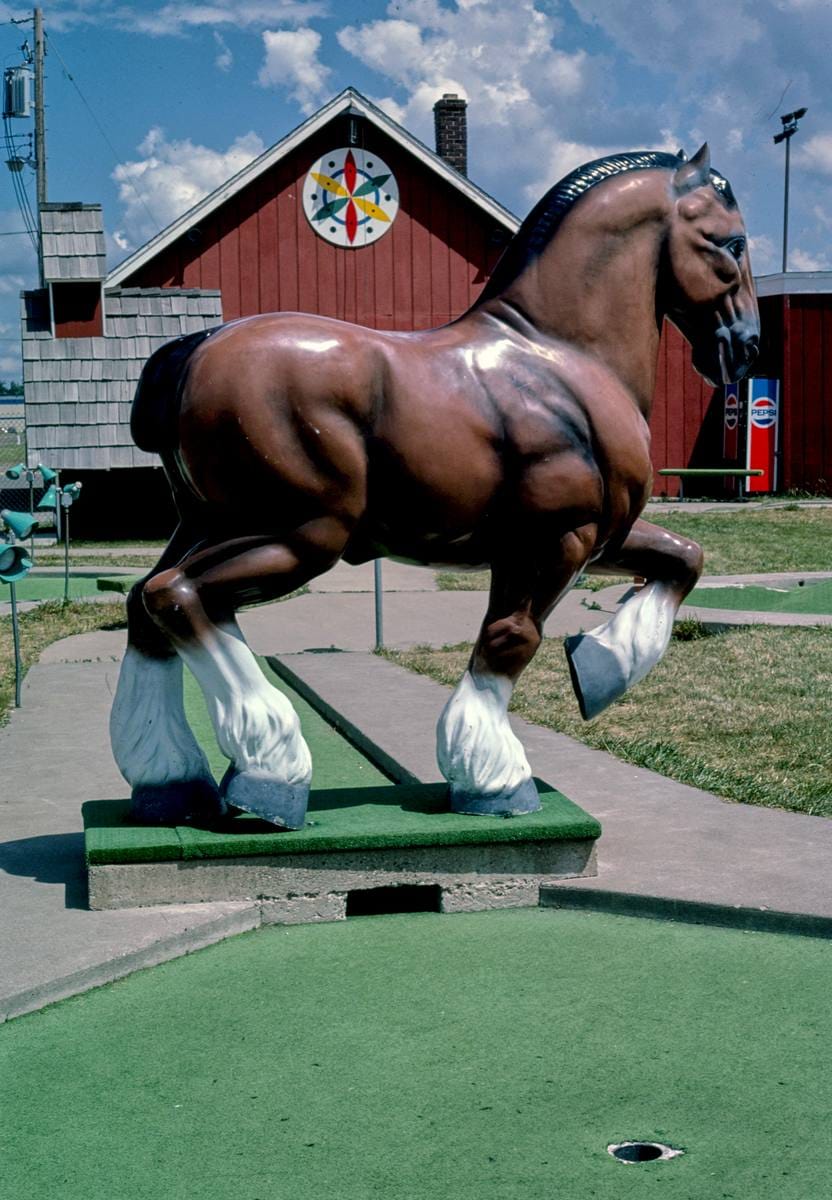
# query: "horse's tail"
[156,403]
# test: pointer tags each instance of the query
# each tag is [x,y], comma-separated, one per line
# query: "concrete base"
[302,888]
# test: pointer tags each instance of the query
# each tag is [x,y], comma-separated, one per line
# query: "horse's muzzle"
[736,350]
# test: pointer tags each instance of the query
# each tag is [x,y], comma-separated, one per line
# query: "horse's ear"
[695,173]
[680,154]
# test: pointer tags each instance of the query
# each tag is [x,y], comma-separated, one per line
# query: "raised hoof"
[596,673]
[499,804]
[281,804]
[180,802]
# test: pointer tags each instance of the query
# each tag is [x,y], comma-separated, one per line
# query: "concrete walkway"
[661,839]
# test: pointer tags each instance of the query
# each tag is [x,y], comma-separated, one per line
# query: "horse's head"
[709,293]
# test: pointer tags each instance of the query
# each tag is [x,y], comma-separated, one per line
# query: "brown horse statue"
[516,437]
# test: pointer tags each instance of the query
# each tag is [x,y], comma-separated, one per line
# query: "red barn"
[422,246]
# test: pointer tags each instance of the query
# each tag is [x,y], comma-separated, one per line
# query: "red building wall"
[260,250]
[686,423]
[804,328]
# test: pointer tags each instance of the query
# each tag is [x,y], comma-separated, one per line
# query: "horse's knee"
[168,598]
[690,561]
[509,644]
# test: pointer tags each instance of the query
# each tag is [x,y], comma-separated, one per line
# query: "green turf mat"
[117,583]
[338,819]
[51,587]
[811,598]
[484,1056]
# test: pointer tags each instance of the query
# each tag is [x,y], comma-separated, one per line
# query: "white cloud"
[10,285]
[170,177]
[179,17]
[764,255]
[802,260]
[815,153]
[523,89]
[175,18]
[684,37]
[224,59]
[292,63]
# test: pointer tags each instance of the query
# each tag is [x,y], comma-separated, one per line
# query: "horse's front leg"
[255,724]
[609,659]
[477,750]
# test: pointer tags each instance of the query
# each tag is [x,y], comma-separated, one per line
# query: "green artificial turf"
[338,819]
[117,583]
[809,598]
[482,1056]
[51,587]
[353,806]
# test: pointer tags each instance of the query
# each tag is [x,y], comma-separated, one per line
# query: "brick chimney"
[451,125]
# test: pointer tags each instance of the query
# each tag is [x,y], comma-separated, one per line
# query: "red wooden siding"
[806,432]
[260,250]
[687,412]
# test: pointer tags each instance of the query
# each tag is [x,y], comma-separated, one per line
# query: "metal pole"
[16,640]
[66,555]
[378,600]
[58,507]
[786,209]
[40,132]
[30,476]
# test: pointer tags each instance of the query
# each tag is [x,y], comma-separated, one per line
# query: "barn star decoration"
[350,197]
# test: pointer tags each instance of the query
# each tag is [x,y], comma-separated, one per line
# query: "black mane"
[543,222]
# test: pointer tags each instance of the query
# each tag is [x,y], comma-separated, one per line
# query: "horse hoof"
[596,673]
[281,804]
[523,799]
[180,802]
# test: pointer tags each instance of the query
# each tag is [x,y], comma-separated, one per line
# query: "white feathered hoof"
[281,804]
[597,675]
[523,799]
[177,802]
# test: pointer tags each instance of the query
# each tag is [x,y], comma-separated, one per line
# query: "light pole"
[790,122]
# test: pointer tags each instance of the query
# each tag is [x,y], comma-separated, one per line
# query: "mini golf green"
[812,598]
[481,1056]
[51,587]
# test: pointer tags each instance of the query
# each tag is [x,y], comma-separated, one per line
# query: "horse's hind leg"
[151,740]
[194,604]
[478,752]
[608,660]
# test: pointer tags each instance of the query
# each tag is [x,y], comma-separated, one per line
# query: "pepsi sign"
[763,412]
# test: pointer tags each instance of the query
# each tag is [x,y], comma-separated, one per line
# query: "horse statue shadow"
[514,437]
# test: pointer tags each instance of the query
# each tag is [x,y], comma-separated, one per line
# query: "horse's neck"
[598,292]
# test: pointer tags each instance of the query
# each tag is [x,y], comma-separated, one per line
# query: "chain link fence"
[20,495]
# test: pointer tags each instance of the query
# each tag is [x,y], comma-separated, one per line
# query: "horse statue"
[514,437]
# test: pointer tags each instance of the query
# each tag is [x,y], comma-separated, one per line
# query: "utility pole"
[790,127]
[40,131]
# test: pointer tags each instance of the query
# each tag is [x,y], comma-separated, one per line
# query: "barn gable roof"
[348,99]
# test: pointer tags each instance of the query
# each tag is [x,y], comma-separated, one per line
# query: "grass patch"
[746,714]
[55,558]
[789,538]
[757,539]
[41,626]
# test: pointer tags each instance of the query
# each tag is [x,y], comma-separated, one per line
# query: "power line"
[99,127]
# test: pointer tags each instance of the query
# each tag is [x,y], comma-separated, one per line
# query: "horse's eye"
[736,247]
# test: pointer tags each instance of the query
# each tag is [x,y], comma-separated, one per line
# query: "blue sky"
[186,94]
